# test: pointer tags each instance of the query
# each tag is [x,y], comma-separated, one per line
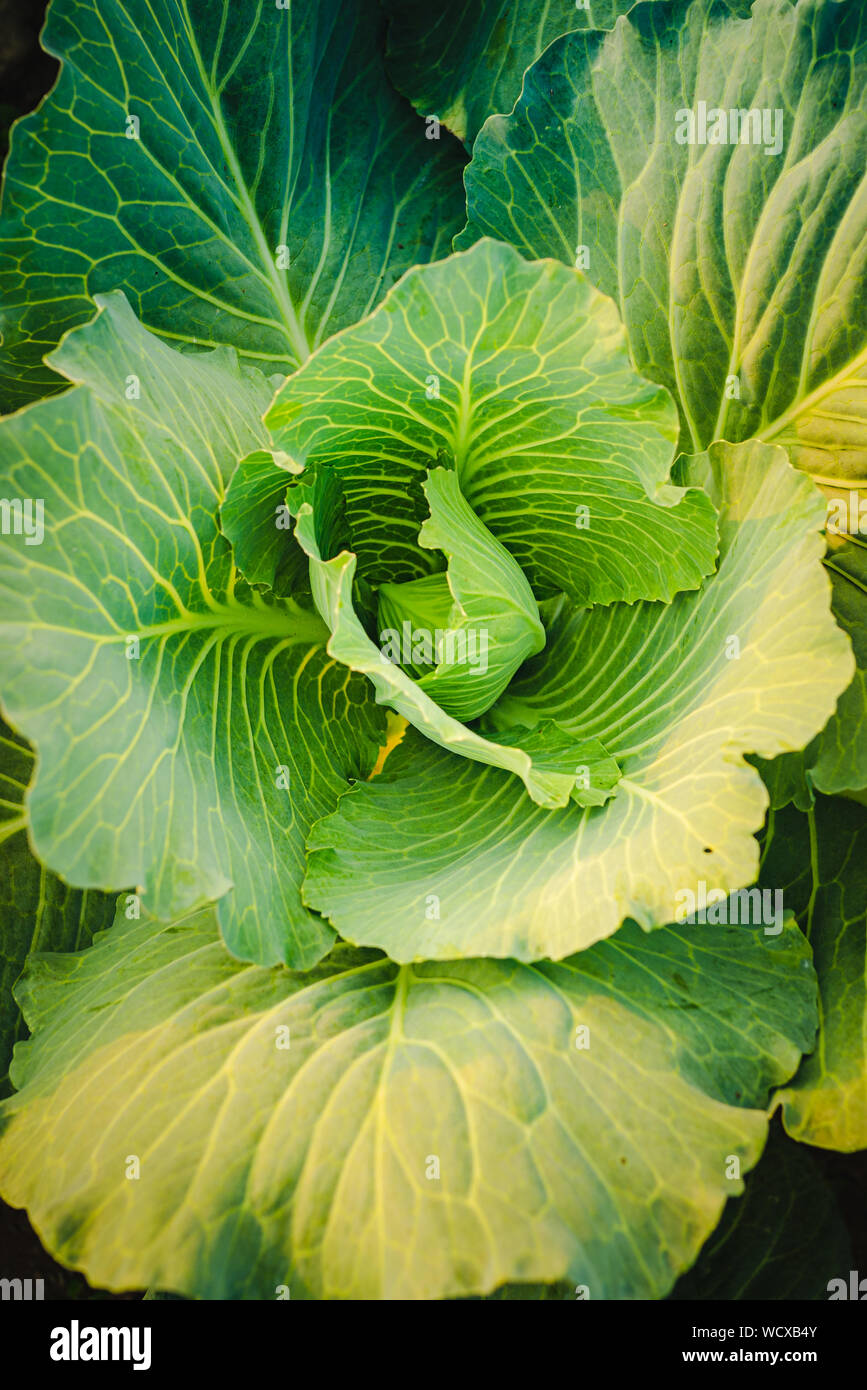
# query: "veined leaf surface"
[784,1239]
[38,912]
[676,693]
[375,1131]
[461,60]
[548,781]
[492,606]
[737,265]
[189,732]
[835,761]
[819,861]
[243,171]
[518,376]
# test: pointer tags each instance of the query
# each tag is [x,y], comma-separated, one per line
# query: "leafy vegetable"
[548,785]
[517,376]
[483,592]
[836,759]
[463,59]
[375,1131]
[190,731]
[38,911]
[820,863]
[784,1239]
[243,172]
[402,649]
[737,265]
[676,693]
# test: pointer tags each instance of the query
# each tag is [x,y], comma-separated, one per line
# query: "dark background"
[26,74]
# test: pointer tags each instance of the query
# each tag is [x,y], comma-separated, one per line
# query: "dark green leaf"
[245,172]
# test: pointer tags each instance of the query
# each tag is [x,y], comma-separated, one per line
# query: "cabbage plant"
[434,771]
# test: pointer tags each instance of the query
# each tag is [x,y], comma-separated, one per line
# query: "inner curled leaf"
[550,782]
[473,626]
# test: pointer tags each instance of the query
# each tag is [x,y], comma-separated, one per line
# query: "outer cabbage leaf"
[518,376]
[836,759]
[246,173]
[784,1239]
[676,693]
[461,60]
[372,1131]
[739,273]
[188,731]
[819,860]
[38,912]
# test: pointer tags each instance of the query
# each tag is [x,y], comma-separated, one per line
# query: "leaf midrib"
[282,298]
